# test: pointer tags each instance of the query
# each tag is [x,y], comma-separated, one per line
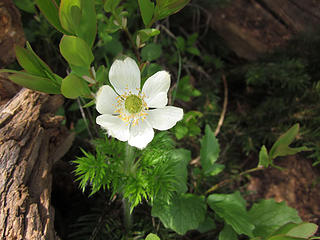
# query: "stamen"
[131,107]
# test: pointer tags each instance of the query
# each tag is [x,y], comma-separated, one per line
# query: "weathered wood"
[31,139]
[7,88]
[254,27]
[11,31]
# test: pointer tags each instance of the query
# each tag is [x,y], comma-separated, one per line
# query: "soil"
[297,184]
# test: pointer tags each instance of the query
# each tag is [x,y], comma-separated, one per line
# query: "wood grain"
[31,139]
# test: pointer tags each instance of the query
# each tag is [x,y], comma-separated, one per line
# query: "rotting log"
[11,31]
[31,140]
[254,27]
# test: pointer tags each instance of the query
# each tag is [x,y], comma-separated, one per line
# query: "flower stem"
[222,183]
[127,217]
[135,48]
[128,168]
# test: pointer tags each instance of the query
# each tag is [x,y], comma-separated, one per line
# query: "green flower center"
[133,104]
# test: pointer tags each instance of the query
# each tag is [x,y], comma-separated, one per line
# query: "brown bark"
[11,32]
[31,140]
[7,88]
[254,27]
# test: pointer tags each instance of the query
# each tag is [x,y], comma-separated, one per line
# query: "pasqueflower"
[130,113]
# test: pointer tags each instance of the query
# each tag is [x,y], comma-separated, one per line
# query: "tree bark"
[254,27]
[31,140]
[11,32]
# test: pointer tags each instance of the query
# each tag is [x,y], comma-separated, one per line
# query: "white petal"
[158,101]
[125,74]
[164,118]
[141,134]
[115,126]
[156,84]
[106,100]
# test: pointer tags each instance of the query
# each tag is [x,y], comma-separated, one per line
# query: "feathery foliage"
[153,173]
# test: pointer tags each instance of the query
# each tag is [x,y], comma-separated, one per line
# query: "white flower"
[129,113]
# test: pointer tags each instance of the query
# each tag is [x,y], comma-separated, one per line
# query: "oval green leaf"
[73,86]
[264,157]
[33,82]
[185,212]
[146,34]
[165,8]
[50,10]
[79,18]
[27,61]
[152,236]
[146,9]
[151,52]
[76,51]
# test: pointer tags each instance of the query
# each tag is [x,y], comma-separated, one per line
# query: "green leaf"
[68,10]
[146,9]
[74,86]
[146,34]
[228,233]
[209,151]
[192,39]
[89,104]
[76,51]
[283,237]
[207,225]
[45,69]
[33,82]
[281,146]
[152,236]
[303,230]
[215,169]
[50,10]
[183,213]
[165,8]
[110,5]
[232,208]
[182,157]
[28,61]
[264,157]
[87,29]
[79,18]
[111,48]
[102,75]
[151,52]
[194,51]
[268,215]
[110,26]
[180,131]
[80,71]
[185,90]
[25,5]
[189,126]
[180,43]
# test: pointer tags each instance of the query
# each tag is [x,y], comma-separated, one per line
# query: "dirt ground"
[298,184]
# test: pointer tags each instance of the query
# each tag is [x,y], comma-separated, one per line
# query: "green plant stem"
[128,168]
[178,77]
[129,159]
[222,183]
[135,48]
[127,217]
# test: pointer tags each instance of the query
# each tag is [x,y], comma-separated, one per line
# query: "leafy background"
[172,188]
